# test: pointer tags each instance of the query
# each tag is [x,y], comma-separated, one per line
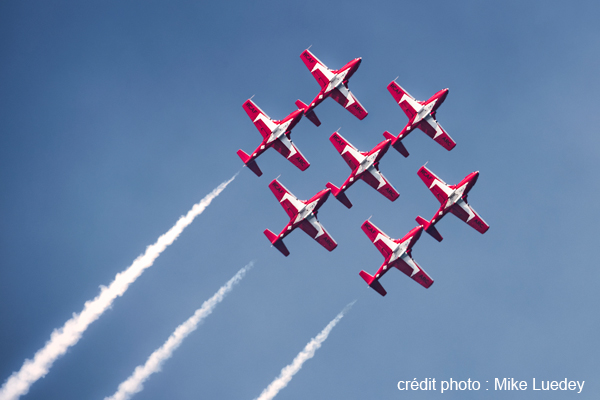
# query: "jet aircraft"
[334,84]
[397,253]
[421,114]
[303,214]
[453,199]
[275,134]
[365,166]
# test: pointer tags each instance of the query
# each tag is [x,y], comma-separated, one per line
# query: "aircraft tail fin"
[278,243]
[339,194]
[373,283]
[250,163]
[396,143]
[309,114]
[429,228]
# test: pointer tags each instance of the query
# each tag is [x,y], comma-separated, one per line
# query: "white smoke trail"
[288,372]
[69,334]
[134,383]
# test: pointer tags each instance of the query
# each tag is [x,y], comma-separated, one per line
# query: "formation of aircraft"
[453,198]
[303,215]
[421,114]
[397,253]
[364,165]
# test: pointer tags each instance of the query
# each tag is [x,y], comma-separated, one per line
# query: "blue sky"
[115,118]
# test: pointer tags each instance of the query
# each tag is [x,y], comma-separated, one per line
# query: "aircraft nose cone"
[386,144]
[445,93]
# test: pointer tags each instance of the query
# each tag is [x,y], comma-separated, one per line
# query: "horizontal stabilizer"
[396,143]
[429,228]
[373,283]
[388,135]
[340,195]
[423,222]
[310,114]
[249,163]
[278,243]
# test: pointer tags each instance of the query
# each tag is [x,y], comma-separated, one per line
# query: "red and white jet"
[303,214]
[334,84]
[365,166]
[397,253]
[275,134]
[421,114]
[453,199]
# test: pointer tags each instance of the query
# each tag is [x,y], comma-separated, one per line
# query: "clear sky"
[116,117]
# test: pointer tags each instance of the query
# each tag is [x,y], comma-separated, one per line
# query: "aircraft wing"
[315,230]
[435,131]
[377,181]
[261,120]
[438,187]
[346,150]
[288,201]
[406,102]
[465,212]
[321,73]
[342,95]
[408,265]
[286,148]
[382,241]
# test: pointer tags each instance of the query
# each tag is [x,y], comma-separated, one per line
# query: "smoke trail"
[288,372]
[134,383]
[62,338]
